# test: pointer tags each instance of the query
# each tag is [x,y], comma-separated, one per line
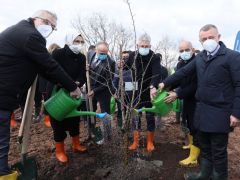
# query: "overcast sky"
[179,19]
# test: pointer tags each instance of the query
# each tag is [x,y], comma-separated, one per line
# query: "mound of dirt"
[108,161]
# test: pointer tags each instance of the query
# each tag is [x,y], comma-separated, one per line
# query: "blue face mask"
[143,51]
[102,57]
[186,55]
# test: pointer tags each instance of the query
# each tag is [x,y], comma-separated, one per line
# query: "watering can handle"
[56,89]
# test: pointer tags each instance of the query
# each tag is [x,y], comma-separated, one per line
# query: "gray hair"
[144,37]
[207,27]
[41,13]
[102,43]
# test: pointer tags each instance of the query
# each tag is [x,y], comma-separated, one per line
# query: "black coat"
[73,64]
[23,54]
[102,75]
[186,90]
[164,73]
[148,72]
[218,89]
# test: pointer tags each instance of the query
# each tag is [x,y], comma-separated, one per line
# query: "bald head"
[185,45]
[186,50]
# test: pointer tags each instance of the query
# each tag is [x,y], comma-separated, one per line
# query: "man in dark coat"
[146,66]
[23,55]
[186,90]
[102,69]
[218,109]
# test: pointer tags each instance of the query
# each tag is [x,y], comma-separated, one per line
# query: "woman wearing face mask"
[72,60]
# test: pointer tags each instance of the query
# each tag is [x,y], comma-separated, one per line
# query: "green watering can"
[159,106]
[112,105]
[61,105]
[176,105]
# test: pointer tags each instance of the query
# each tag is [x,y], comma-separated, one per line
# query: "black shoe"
[206,168]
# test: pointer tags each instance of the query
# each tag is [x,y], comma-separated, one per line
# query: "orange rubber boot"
[150,145]
[135,144]
[76,146]
[47,121]
[13,121]
[60,153]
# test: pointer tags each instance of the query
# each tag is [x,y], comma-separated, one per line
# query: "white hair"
[40,13]
[144,37]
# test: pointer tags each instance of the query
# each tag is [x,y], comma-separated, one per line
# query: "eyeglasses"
[186,50]
[47,22]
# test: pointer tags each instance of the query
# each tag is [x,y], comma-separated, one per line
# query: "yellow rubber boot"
[150,145]
[135,144]
[192,158]
[12,176]
[76,146]
[190,140]
[60,153]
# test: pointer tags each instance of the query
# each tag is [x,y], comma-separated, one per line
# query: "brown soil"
[107,161]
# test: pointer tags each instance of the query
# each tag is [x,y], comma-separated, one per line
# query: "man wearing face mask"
[218,107]
[146,65]
[23,55]
[186,90]
[102,69]
[74,63]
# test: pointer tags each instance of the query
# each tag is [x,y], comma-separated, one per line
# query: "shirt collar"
[214,52]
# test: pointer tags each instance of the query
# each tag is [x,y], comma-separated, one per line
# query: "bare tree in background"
[98,28]
[168,49]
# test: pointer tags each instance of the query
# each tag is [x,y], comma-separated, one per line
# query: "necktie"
[94,63]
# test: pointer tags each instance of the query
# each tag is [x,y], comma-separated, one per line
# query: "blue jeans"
[4,141]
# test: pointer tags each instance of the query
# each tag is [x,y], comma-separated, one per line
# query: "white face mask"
[186,55]
[44,30]
[143,51]
[76,48]
[210,45]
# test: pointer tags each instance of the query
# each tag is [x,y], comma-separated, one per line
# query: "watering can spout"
[152,109]
[101,115]
[81,113]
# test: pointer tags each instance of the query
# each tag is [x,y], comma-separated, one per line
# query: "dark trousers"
[214,148]
[104,101]
[60,127]
[4,141]
[136,122]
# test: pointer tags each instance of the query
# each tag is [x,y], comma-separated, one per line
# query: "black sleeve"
[156,71]
[82,74]
[188,91]
[234,65]
[186,71]
[36,51]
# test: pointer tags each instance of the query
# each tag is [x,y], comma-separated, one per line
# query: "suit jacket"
[218,88]
[102,75]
